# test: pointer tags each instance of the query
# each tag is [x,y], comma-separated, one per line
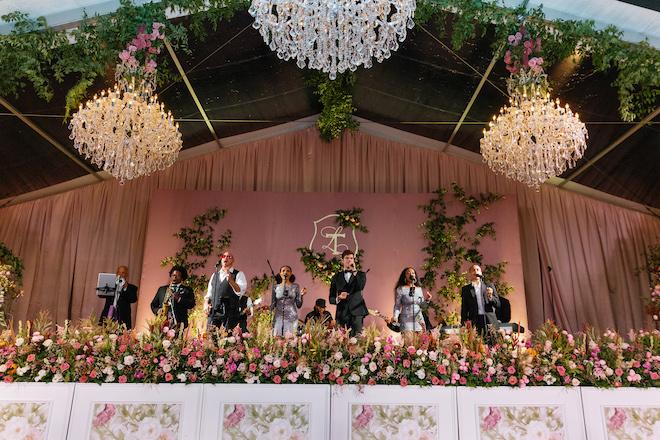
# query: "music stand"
[105,286]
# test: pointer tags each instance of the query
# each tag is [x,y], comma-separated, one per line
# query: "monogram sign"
[329,236]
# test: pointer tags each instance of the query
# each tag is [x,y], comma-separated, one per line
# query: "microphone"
[480,276]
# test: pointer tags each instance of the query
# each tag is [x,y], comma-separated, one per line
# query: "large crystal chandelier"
[333,35]
[533,138]
[126,130]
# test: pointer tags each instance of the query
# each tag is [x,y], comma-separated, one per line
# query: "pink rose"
[404,382]
[513,380]
[122,379]
[340,381]
[277,379]
[168,377]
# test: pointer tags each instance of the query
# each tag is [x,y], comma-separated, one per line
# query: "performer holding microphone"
[479,302]
[286,298]
[175,299]
[222,299]
[346,292]
[118,306]
[409,300]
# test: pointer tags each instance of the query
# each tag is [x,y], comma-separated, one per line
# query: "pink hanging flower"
[617,420]
[491,420]
[104,416]
[235,417]
[151,66]
[364,417]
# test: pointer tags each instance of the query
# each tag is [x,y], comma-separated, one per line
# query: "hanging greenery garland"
[36,53]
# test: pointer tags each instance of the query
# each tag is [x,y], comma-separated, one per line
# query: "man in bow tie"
[346,292]
[182,297]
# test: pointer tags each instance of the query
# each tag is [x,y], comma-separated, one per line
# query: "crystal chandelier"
[333,35]
[126,130]
[533,138]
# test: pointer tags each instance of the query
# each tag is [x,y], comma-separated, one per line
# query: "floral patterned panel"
[135,421]
[638,423]
[266,422]
[394,422]
[521,423]
[24,420]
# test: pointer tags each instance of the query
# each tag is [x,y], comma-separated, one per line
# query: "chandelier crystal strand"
[533,138]
[333,35]
[126,132]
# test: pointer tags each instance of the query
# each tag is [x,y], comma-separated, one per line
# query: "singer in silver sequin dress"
[409,300]
[286,299]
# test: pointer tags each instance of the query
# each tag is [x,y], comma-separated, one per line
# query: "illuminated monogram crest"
[331,237]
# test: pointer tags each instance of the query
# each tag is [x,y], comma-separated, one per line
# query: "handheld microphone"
[480,276]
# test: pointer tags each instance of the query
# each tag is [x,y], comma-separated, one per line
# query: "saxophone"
[166,308]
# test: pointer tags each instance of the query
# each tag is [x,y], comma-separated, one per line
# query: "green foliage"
[337,100]
[638,65]
[8,257]
[198,245]
[652,266]
[258,286]
[37,54]
[451,246]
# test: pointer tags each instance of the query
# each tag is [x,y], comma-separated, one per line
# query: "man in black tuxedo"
[346,292]
[181,298]
[126,295]
[479,302]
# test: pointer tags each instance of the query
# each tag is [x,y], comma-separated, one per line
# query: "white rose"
[48,343]
[166,343]
[128,360]
[19,342]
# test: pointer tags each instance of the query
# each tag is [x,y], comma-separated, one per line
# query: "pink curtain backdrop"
[592,247]
[272,225]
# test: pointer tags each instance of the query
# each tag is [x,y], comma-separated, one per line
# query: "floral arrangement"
[138,60]
[351,219]
[527,75]
[652,306]
[316,264]
[90,353]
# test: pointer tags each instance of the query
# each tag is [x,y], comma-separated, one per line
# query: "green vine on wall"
[652,266]
[199,245]
[453,242]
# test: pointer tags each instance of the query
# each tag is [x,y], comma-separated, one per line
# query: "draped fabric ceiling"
[592,247]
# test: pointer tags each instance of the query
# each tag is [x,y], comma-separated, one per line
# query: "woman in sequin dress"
[286,299]
[409,300]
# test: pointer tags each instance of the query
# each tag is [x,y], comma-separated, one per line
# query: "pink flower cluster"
[522,46]
[145,43]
